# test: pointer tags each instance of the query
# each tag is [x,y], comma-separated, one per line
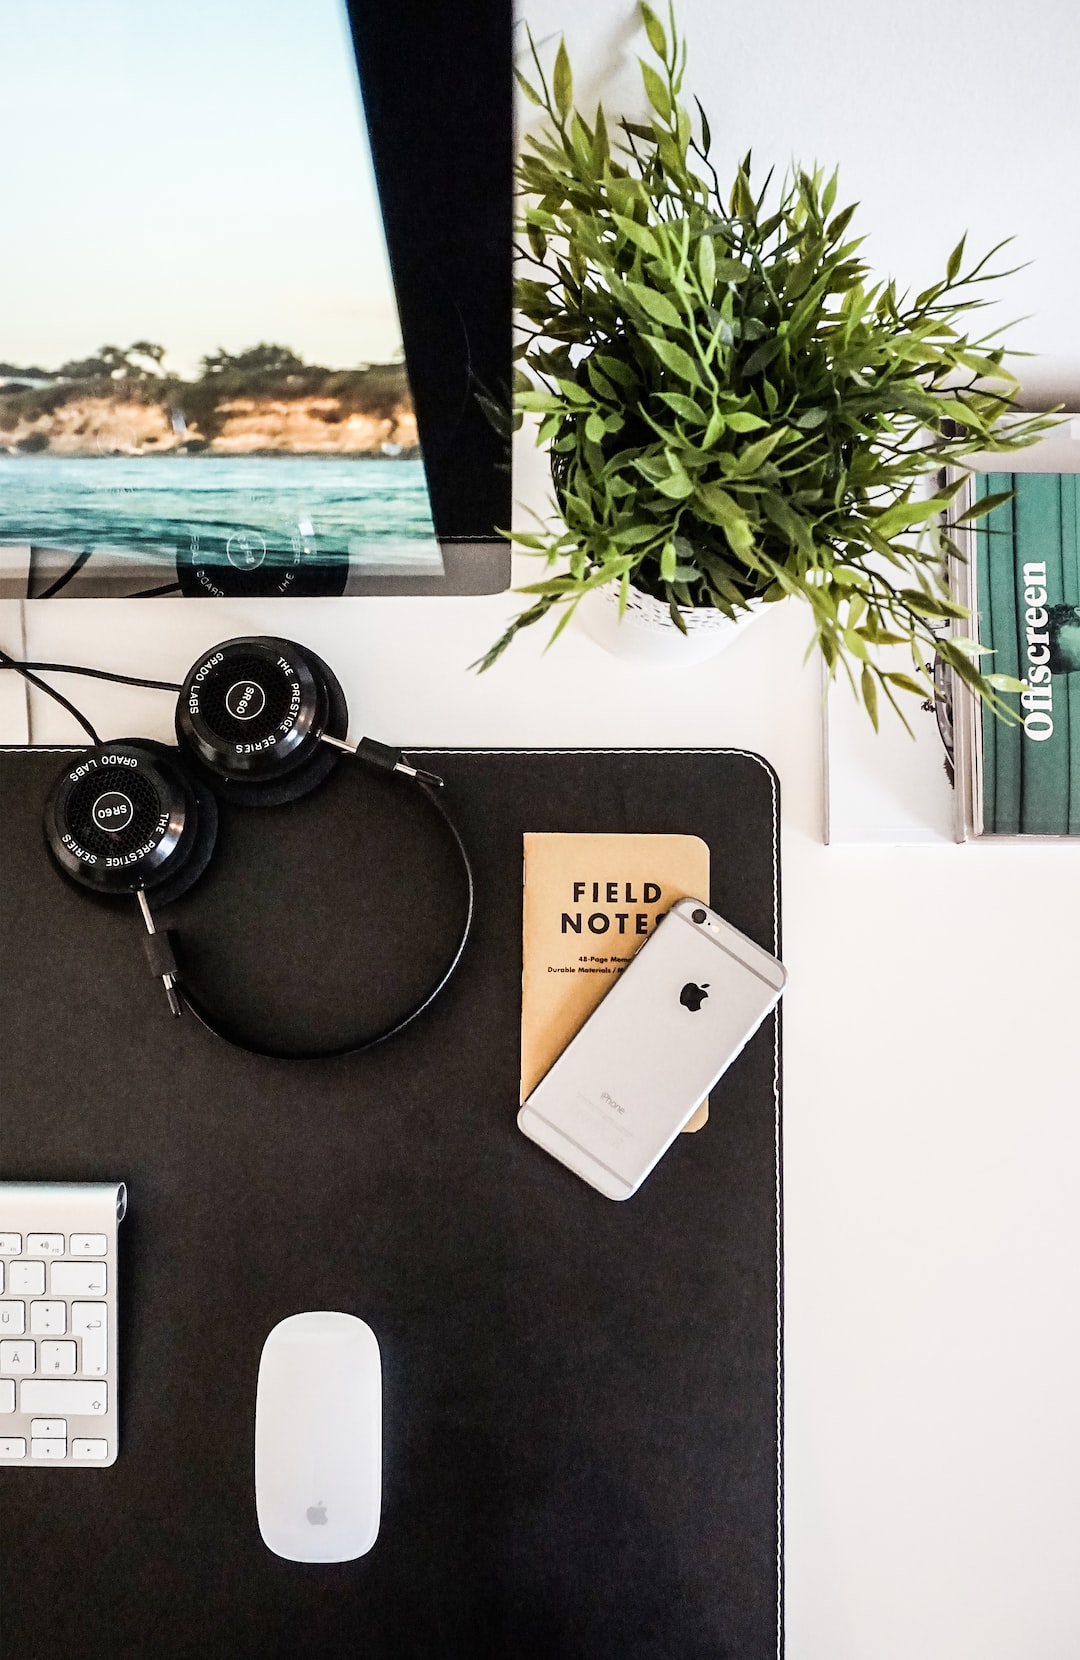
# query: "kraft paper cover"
[589,903]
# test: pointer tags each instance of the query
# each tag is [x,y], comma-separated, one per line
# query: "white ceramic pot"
[646,634]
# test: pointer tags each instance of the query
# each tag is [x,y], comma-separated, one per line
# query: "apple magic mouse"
[318,1438]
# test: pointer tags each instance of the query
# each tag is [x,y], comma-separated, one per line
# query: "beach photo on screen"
[201,373]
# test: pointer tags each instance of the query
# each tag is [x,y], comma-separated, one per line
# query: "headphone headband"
[168,964]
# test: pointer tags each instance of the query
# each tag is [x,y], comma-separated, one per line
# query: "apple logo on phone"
[691,997]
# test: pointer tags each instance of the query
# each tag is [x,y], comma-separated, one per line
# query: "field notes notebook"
[589,903]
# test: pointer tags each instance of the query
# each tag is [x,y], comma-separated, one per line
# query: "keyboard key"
[77,1279]
[58,1390]
[90,1322]
[56,1396]
[26,1279]
[58,1357]
[49,1427]
[48,1319]
[89,1447]
[17,1357]
[12,1319]
[50,1448]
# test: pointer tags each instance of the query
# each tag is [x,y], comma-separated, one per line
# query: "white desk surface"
[932,1104]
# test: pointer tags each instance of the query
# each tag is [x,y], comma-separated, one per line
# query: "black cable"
[50,691]
[99,674]
[65,577]
[231,1034]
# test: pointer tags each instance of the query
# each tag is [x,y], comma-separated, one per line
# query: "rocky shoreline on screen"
[265,401]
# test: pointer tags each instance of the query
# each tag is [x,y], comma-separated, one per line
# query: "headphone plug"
[159,953]
[385,758]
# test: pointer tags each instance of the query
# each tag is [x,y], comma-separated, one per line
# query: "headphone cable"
[27,670]
[95,674]
[28,674]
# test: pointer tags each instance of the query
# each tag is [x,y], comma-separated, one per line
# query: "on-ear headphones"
[259,722]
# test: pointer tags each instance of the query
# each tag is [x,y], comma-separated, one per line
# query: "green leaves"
[952,264]
[811,418]
[706,264]
[676,488]
[762,356]
[743,421]
[656,91]
[574,394]
[684,407]
[656,37]
[907,683]
[751,459]
[840,224]
[640,235]
[530,91]
[986,505]
[904,514]
[736,408]
[673,357]
[930,605]
[658,306]
[562,82]
[618,370]
[715,504]
[790,522]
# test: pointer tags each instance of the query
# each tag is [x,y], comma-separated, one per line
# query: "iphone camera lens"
[699,915]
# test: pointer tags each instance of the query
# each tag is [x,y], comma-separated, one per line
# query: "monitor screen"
[203,388]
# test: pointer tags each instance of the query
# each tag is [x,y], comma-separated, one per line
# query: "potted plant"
[737,413]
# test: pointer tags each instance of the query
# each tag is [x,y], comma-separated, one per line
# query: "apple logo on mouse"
[316,1514]
[691,997]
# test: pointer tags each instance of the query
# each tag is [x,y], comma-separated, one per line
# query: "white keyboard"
[58,1321]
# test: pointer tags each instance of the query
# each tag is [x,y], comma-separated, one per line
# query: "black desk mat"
[582,1398]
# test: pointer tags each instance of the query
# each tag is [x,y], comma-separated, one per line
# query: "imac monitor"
[257,289]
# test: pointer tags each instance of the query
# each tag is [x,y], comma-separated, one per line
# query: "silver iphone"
[674,1021]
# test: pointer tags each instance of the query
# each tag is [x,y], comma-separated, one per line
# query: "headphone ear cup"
[274,784]
[178,881]
[126,815]
[291,786]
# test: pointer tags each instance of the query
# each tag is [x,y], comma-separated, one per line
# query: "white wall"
[944,117]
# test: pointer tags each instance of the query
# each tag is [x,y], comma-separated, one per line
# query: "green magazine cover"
[1028,597]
